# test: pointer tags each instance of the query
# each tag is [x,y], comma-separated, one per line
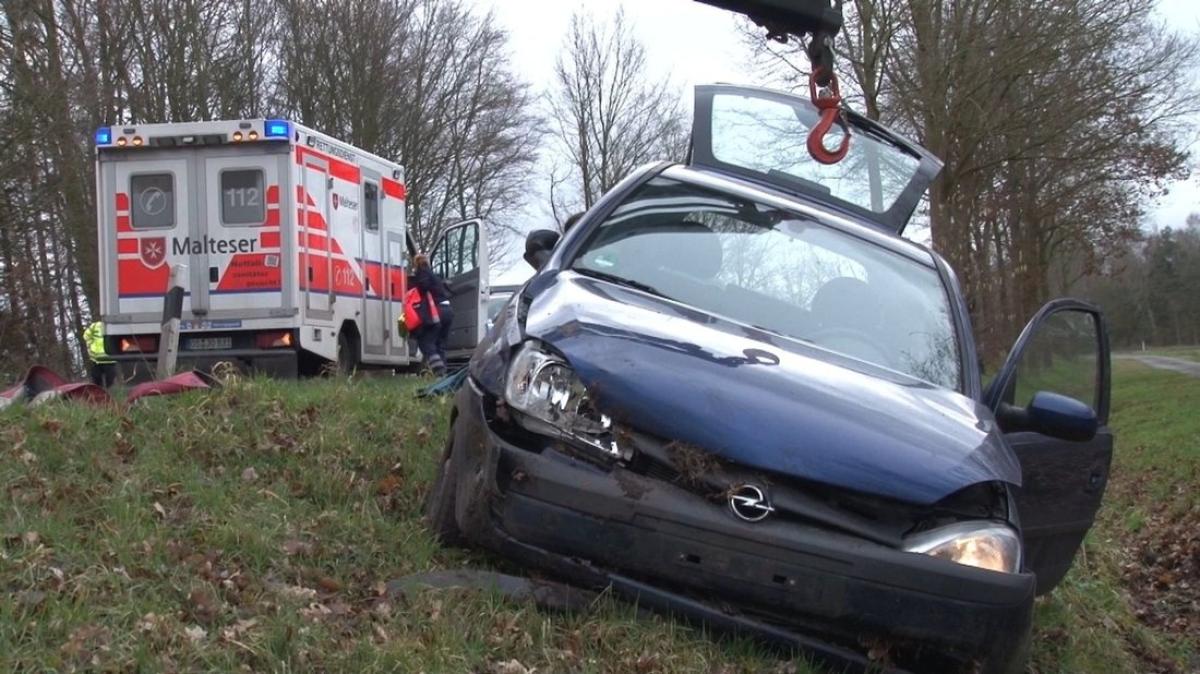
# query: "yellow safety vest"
[93,336]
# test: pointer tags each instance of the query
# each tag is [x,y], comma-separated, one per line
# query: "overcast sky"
[694,44]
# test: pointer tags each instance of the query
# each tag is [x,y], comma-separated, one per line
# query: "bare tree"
[1057,122]
[429,83]
[608,113]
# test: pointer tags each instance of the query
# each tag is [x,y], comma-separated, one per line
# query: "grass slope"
[253,528]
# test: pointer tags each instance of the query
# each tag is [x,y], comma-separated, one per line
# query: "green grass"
[253,527]
[1088,624]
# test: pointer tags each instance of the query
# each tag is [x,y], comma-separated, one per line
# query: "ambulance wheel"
[347,354]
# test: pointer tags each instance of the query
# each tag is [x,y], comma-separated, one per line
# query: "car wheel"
[439,503]
[347,354]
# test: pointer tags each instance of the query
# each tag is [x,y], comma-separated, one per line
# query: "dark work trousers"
[103,374]
[447,316]
[427,340]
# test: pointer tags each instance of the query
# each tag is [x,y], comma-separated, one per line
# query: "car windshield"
[769,136]
[781,272]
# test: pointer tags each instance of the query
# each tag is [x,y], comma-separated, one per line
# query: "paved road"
[1174,364]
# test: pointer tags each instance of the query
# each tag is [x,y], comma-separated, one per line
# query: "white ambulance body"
[292,245]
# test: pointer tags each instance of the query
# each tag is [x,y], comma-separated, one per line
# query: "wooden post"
[168,341]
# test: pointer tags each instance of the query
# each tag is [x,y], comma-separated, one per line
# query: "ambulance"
[290,246]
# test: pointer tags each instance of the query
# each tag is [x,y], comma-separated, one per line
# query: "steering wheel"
[854,343]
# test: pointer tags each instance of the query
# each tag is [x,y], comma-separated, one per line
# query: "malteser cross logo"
[153,250]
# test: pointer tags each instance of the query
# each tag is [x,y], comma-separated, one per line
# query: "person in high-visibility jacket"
[103,369]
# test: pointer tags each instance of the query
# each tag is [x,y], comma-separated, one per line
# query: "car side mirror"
[1052,414]
[538,246]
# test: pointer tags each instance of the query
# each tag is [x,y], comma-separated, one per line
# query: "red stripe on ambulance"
[251,272]
[135,278]
[394,189]
[339,169]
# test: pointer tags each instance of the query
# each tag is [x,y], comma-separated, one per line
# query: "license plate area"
[208,343]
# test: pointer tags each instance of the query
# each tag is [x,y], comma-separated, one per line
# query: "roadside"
[1180,363]
[257,526]
[1187,353]
[1131,602]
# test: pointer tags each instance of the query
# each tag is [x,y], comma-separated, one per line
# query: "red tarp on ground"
[41,383]
[184,381]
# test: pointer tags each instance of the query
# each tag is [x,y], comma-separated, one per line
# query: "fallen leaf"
[31,537]
[160,510]
[249,475]
[296,547]
[387,485]
[195,633]
[329,584]
[297,592]
[510,667]
[202,606]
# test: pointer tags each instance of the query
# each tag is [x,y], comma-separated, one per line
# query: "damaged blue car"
[733,392]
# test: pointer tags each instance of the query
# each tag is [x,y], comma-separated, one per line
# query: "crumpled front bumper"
[678,551]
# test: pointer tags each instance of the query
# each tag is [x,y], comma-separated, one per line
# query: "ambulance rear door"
[245,271]
[147,209]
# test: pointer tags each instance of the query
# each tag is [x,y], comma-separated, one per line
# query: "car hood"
[765,401]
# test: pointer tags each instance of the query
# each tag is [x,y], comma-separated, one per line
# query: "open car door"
[1057,379]
[761,135]
[460,257]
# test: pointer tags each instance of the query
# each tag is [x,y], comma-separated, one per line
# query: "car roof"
[823,213]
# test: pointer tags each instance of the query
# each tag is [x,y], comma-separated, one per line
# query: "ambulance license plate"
[209,343]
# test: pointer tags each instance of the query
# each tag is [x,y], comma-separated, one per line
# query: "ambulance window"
[371,205]
[242,200]
[153,203]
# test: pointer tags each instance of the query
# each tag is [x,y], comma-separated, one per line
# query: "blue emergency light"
[104,135]
[276,128]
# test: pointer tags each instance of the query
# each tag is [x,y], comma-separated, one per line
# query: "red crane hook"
[830,106]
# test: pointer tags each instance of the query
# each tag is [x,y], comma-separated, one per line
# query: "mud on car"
[734,392]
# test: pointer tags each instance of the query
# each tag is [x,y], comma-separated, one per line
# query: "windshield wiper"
[620,280]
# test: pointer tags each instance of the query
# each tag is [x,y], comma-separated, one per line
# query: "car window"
[781,272]
[1062,357]
[770,137]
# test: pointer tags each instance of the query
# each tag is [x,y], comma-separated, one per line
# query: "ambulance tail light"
[139,344]
[274,339]
[276,128]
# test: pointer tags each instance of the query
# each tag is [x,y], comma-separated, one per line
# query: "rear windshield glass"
[781,272]
[770,137]
[153,200]
[242,200]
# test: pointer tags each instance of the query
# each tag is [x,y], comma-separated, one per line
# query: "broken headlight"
[552,400]
[987,545]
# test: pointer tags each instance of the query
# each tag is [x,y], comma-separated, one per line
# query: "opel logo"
[749,503]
